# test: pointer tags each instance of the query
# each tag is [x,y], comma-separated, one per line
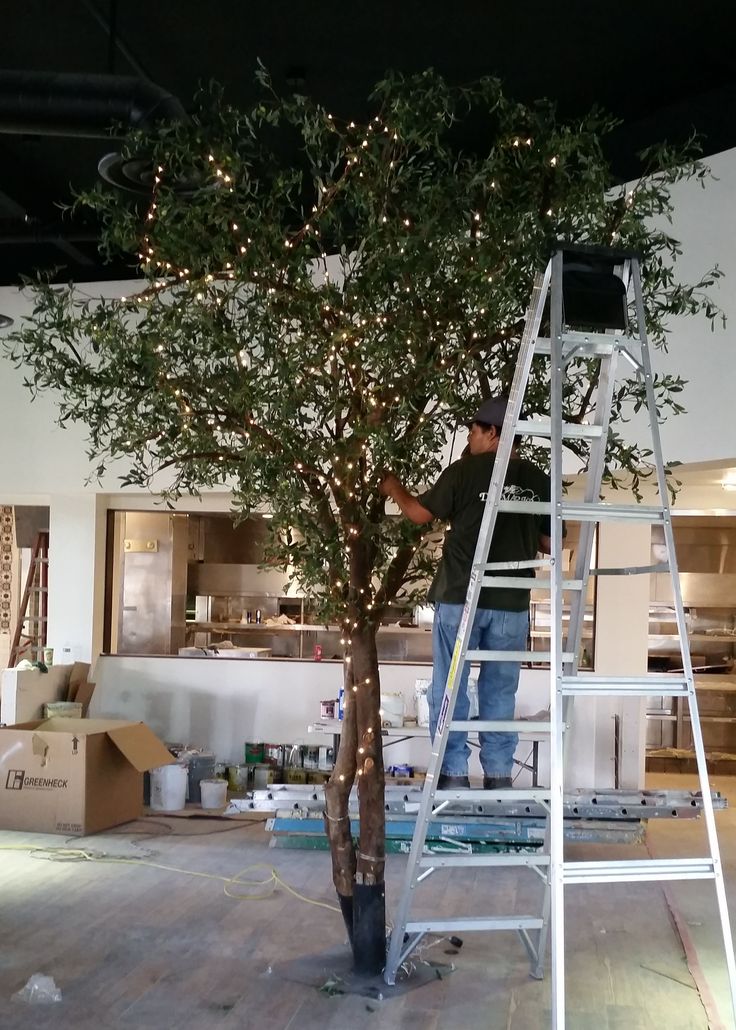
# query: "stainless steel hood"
[706,557]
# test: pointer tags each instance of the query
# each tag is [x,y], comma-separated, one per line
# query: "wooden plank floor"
[136,946]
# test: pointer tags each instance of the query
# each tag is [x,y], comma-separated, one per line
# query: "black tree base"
[333,971]
[364,915]
[369,928]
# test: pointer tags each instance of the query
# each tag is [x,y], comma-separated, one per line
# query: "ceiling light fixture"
[729,481]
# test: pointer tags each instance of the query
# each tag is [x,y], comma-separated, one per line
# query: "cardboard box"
[23,692]
[75,776]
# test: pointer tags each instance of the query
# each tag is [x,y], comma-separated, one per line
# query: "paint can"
[168,788]
[213,793]
[392,709]
[237,777]
[275,756]
[201,766]
[261,776]
[253,753]
[294,756]
[311,758]
[328,709]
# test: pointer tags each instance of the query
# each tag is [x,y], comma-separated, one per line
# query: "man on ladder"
[502,618]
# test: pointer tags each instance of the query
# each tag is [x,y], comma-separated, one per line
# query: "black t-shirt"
[458,497]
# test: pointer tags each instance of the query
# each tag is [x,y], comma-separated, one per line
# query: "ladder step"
[599,344]
[528,583]
[438,861]
[570,430]
[588,512]
[515,656]
[639,870]
[632,570]
[500,725]
[514,566]
[633,686]
[474,923]
[615,512]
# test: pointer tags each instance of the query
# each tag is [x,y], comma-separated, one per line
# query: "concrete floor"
[134,945]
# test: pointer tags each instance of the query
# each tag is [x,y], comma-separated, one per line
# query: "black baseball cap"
[492,412]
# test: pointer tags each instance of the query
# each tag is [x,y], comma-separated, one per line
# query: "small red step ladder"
[29,638]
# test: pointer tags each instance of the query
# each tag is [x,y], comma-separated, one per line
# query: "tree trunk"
[359,877]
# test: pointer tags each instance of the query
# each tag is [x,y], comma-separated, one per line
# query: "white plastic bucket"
[214,793]
[168,788]
[421,689]
[392,710]
[262,773]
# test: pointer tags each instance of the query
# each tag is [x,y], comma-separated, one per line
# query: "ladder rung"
[474,923]
[436,861]
[588,512]
[500,725]
[34,618]
[515,656]
[513,566]
[615,512]
[633,686]
[632,570]
[570,430]
[528,583]
[639,869]
[592,343]
[540,794]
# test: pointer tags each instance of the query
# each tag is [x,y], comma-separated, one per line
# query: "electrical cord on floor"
[53,854]
[239,825]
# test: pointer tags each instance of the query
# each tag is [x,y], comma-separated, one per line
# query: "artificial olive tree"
[318,300]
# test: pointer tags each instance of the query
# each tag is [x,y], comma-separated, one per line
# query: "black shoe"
[446,782]
[497,782]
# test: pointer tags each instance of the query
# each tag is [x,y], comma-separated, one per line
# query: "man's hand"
[388,485]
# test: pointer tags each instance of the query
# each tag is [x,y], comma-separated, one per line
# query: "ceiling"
[664,68]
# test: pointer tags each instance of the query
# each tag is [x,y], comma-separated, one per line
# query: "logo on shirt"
[513,493]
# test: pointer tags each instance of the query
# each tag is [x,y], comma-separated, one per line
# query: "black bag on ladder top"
[593,296]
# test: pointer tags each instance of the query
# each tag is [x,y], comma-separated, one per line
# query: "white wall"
[76,576]
[622,650]
[220,703]
[705,224]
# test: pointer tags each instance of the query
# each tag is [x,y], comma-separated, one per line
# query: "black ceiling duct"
[92,107]
[61,104]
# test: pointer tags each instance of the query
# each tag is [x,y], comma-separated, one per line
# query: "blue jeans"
[493,630]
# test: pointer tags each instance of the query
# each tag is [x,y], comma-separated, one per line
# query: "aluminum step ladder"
[29,638]
[607,336]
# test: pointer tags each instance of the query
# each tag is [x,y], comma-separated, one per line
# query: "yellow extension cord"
[80,855]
